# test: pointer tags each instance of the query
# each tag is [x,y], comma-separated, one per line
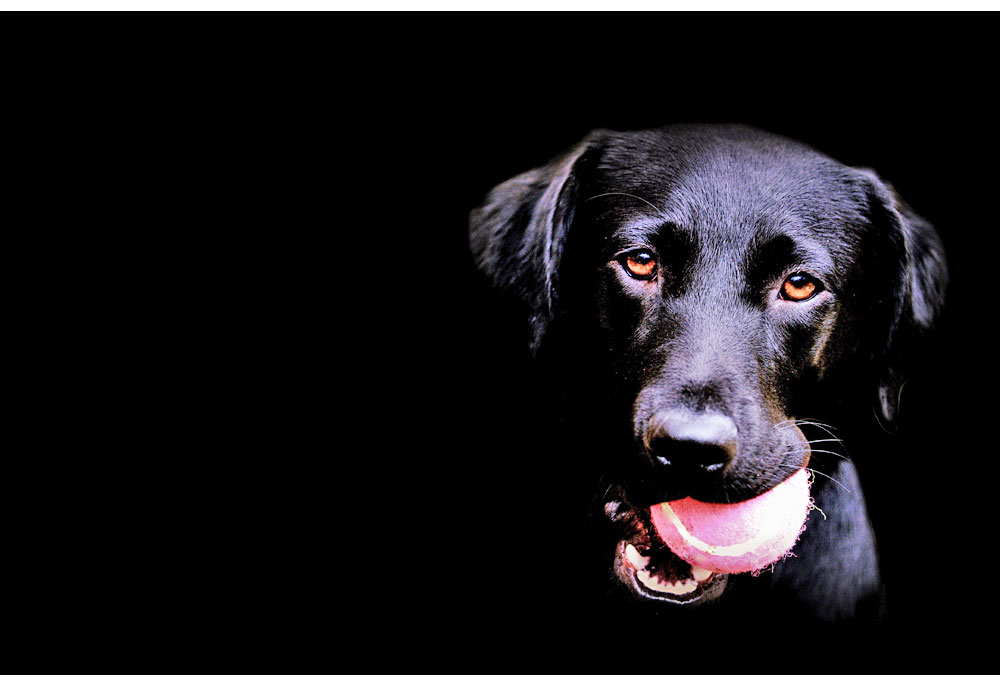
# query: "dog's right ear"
[518,234]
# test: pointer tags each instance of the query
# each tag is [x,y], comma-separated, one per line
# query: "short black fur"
[730,212]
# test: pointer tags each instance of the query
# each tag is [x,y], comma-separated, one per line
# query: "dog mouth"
[651,571]
[680,551]
[660,575]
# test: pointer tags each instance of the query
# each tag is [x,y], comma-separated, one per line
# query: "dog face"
[727,274]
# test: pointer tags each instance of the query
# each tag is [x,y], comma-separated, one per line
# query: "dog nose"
[703,441]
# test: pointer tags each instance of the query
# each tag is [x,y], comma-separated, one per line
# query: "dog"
[713,308]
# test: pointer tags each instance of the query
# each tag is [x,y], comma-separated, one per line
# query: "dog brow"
[768,259]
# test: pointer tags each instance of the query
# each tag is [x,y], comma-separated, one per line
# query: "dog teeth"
[638,561]
[700,574]
[676,588]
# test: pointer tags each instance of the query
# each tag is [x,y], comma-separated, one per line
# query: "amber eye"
[799,287]
[640,264]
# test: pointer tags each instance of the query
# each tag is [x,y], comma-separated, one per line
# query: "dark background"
[312,462]
[880,92]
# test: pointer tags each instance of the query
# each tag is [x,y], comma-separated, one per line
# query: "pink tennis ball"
[736,537]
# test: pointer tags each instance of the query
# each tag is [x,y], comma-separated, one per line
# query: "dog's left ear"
[912,250]
[518,234]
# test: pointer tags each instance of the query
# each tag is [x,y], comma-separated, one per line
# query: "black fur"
[729,213]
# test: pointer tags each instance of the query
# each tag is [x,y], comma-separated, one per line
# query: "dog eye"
[640,264]
[800,287]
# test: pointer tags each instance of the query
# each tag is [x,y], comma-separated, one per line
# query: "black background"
[318,488]
[881,92]
[878,91]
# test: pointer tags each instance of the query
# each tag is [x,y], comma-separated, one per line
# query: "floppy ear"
[518,234]
[913,249]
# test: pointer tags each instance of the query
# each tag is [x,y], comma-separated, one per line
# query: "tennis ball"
[736,537]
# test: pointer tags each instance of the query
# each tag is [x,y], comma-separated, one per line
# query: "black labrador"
[714,307]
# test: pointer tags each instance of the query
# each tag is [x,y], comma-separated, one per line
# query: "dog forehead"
[727,184]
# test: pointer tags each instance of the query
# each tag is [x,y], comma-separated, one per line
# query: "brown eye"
[799,287]
[640,264]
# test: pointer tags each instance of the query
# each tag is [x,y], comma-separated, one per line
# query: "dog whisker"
[816,422]
[817,450]
[831,453]
[829,429]
[618,193]
[805,421]
[817,472]
[823,426]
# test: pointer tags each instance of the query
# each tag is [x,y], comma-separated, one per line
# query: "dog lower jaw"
[631,567]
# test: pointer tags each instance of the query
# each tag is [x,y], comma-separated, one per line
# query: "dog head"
[728,274]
